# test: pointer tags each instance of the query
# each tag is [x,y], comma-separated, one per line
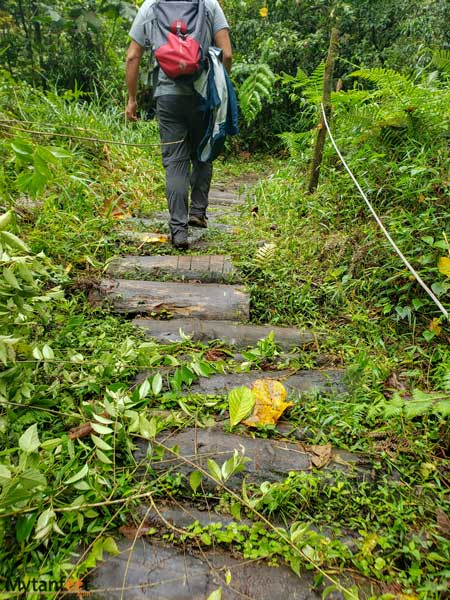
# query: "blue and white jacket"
[219,100]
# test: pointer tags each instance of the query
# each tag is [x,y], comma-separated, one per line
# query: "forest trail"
[202,295]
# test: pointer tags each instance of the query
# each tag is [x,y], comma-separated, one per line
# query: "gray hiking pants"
[179,118]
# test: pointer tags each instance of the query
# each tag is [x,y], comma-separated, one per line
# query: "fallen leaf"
[131,532]
[214,354]
[443,523]
[435,327]
[270,396]
[444,265]
[320,455]
[116,208]
[159,238]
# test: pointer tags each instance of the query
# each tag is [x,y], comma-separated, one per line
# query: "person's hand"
[130,111]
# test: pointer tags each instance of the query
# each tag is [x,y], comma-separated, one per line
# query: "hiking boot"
[197,221]
[180,240]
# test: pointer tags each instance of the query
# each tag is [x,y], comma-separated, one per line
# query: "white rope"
[378,220]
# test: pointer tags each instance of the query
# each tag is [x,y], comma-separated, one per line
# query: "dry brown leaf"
[116,208]
[270,396]
[214,354]
[131,532]
[320,455]
[443,523]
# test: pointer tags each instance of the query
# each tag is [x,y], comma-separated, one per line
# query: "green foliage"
[256,89]
[72,45]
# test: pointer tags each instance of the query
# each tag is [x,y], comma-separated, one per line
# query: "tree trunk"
[326,101]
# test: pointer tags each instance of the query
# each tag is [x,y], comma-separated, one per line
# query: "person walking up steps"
[179,35]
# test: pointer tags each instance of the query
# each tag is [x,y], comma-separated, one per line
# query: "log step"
[201,300]
[157,570]
[207,268]
[153,237]
[219,197]
[270,459]
[300,382]
[233,334]
[160,221]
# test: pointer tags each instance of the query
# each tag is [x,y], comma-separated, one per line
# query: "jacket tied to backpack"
[219,100]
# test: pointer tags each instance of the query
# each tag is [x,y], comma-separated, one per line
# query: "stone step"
[207,268]
[270,459]
[301,381]
[153,569]
[199,300]
[234,334]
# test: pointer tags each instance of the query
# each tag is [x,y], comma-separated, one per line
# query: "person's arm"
[132,63]
[222,41]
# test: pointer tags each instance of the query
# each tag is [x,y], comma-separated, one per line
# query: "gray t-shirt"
[216,21]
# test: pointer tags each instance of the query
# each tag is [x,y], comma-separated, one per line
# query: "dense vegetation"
[325,265]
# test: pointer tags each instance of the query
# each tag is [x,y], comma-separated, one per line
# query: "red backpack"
[178,37]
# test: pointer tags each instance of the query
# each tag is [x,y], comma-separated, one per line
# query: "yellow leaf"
[435,327]
[264,11]
[150,238]
[444,265]
[270,396]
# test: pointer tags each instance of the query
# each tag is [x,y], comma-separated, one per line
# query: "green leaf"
[102,419]
[157,382]
[5,219]
[235,511]
[216,595]
[240,404]
[195,479]
[22,148]
[144,389]
[44,524]
[100,443]
[103,458]
[5,473]
[47,352]
[24,526]
[147,429]
[101,429]
[13,241]
[80,475]
[110,546]
[10,278]
[29,441]
[214,469]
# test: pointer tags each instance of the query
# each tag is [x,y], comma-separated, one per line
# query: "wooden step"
[207,268]
[233,334]
[201,300]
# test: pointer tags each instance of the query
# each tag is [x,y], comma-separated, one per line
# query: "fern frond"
[264,255]
[441,60]
[256,88]
[296,143]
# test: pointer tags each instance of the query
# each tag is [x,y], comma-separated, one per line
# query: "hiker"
[178,105]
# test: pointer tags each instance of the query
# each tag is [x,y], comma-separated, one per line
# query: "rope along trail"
[7,124]
[382,227]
